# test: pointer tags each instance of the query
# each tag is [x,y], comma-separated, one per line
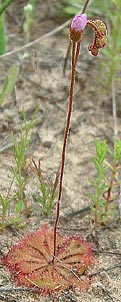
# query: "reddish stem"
[70,104]
[77,52]
[115,167]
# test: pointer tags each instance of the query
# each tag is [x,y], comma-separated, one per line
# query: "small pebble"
[47,144]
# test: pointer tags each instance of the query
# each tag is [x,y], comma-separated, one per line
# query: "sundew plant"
[46,259]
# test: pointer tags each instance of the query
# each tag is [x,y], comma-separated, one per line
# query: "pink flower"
[79,22]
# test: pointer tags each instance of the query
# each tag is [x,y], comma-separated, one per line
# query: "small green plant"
[29,13]
[9,83]
[2,36]
[105,179]
[3,6]
[5,202]
[19,149]
[33,3]
[115,168]
[112,59]
[111,65]
[48,190]
[99,184]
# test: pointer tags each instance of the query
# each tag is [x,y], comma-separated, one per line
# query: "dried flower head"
[100,39]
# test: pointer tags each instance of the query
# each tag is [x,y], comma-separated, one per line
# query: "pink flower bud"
[79,22]
[77,26]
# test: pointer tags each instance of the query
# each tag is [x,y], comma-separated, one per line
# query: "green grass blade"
[9,83]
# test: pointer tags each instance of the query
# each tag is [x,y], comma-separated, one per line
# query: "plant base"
[30,261]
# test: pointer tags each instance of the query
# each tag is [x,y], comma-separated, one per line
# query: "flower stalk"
[75,40]
[77,27]
[68,120]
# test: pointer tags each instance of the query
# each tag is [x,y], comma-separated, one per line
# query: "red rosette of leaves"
[31,261]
